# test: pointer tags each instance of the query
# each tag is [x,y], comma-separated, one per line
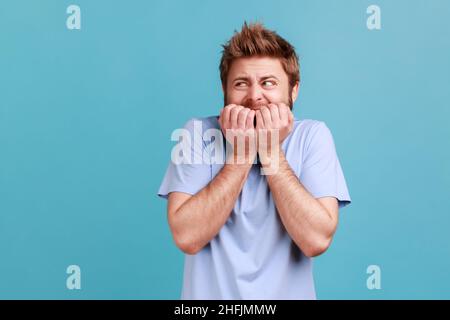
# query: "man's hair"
[256,40]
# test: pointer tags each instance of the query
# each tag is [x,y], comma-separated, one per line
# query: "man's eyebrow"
[268,77]
[246,78]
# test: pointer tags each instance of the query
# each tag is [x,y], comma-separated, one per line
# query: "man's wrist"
[270,164]
[240,160]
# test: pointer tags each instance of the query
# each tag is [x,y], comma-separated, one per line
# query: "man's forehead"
[256,66]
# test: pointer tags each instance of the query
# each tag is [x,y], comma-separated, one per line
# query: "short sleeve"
[188,176]
[321,173]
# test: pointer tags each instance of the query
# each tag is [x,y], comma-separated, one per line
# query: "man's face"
[257,81]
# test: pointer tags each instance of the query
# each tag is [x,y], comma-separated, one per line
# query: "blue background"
[86,117]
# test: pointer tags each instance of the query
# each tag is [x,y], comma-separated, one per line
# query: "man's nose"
[255,94]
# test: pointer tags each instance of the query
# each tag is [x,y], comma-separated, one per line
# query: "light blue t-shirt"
[253,256]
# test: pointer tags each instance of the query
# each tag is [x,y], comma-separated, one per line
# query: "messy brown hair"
[255,40]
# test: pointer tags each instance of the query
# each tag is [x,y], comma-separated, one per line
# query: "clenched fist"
[237,125]
[275,117]
[273,124]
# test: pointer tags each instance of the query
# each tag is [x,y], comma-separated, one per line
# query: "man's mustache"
[256,106]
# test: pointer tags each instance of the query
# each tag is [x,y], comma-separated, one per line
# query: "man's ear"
[294,93]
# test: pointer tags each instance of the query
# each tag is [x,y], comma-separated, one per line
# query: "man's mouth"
[257,106]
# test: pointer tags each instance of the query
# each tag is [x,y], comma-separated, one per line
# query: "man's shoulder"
[307,127]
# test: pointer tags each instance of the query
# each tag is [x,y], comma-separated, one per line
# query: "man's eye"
[269,83]
[240,84]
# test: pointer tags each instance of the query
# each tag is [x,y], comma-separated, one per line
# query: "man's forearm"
[202,216]
[308,223]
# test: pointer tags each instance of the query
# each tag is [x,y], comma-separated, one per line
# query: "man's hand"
[236,123]
[275,117]
[273,124]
